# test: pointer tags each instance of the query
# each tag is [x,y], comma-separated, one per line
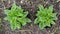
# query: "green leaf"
[47,23]
[12,25]
[54,15]
[51,8]
[28,20]
[41,7]
[6,18]
[18,25]
[13,8]
[19,9]
[41,25]
[22,21]
[52,22]
[6,11]
[38,13]
[25,14]
[20,14]
[36,21]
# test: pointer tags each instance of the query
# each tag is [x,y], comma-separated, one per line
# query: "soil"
[32,7]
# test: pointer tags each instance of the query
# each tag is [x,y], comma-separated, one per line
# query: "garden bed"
[31,7]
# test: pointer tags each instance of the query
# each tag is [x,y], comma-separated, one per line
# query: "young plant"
[16,17]
[45,17]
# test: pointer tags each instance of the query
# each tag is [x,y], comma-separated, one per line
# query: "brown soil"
[31,7]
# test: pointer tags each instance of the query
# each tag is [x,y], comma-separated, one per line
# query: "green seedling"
[16,17]
[45,17]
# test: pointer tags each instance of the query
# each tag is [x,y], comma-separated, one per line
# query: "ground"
[31,7]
